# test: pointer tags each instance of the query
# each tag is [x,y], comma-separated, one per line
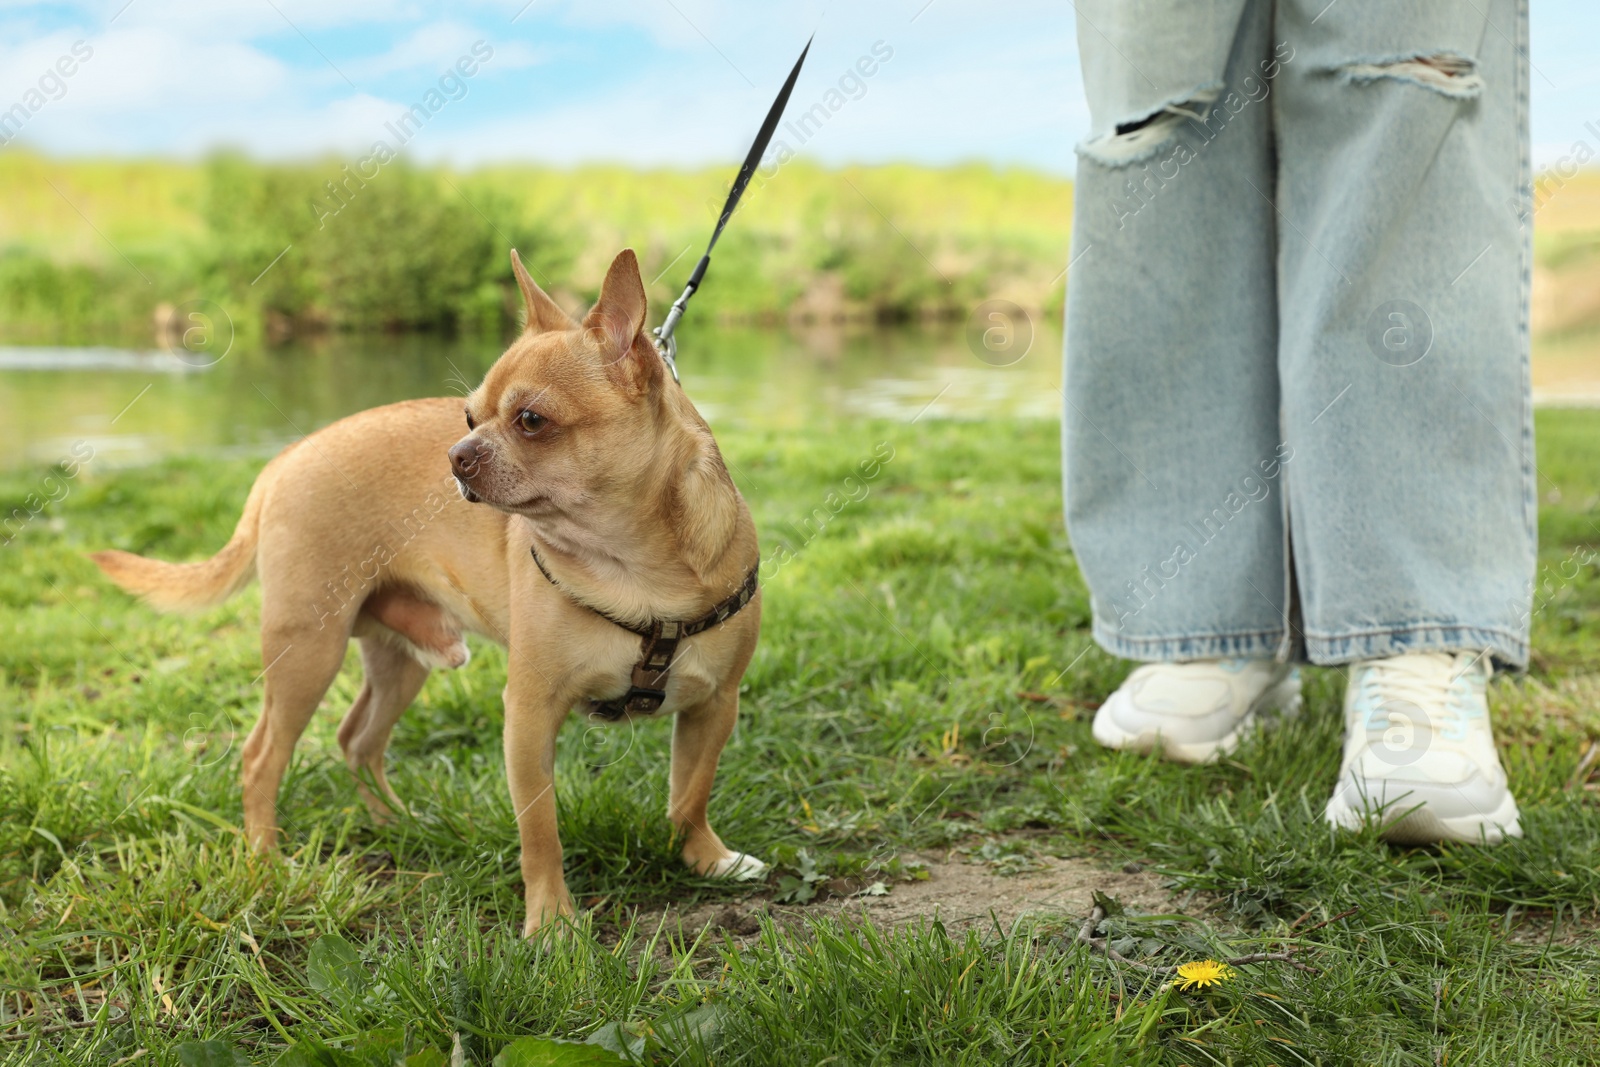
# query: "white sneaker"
[1419,754]
[1194,712]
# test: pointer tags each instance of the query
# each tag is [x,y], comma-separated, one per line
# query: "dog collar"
[659,639]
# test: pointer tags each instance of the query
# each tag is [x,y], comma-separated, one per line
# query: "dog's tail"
[192,586]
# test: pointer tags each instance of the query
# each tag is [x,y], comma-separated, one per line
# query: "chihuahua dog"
[586,521]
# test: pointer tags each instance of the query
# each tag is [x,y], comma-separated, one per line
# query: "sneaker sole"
[1281,701]
[1422,827]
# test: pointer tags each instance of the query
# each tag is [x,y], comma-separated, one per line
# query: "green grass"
[881,715]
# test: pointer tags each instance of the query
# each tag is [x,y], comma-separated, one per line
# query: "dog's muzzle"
[466,492]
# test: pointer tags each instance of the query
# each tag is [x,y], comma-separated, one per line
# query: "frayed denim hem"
[1250,644]
[1509,650]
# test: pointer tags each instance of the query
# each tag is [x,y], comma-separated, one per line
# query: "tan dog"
[586,452]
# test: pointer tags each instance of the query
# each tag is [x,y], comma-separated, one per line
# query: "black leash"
[664,339]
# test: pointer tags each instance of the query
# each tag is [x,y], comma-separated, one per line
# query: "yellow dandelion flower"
[1201,973]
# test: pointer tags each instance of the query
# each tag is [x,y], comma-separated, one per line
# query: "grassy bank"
[89,250]
[924,685]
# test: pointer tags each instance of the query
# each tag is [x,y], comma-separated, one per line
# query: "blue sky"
[675,82]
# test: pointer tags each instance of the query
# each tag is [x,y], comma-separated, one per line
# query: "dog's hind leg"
[300,664]
[698,735]
[393,678]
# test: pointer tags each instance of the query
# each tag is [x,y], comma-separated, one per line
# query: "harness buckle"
[644,700]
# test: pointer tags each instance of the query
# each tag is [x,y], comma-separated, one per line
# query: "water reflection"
[133,406]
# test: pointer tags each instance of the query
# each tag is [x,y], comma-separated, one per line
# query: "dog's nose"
[464,458]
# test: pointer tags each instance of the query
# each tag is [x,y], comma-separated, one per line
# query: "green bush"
[403,249]
[407,249]
[82,303]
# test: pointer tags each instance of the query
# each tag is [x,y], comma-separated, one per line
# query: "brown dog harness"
[647,690]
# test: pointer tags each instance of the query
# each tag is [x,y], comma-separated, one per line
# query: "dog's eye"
[470,424]
[530,421]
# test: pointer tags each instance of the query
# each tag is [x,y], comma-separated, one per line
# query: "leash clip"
[668,348]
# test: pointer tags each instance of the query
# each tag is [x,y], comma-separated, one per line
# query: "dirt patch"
[1539,927]
[960,894]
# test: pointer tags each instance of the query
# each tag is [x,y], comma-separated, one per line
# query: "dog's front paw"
[738,867]
[545,907]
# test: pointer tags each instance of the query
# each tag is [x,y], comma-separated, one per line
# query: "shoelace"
[1434,683]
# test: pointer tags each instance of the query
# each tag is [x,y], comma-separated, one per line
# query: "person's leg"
[1172,453]
[1173,456]
[1404,342]
[1403,277]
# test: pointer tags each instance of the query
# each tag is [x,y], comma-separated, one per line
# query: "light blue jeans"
[1298,418]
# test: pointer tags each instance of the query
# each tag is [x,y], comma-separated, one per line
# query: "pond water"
[133,406]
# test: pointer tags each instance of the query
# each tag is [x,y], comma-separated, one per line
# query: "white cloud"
[930,101]
[254,18]
[430,49]
[141,69]
[670,23]
[642,81]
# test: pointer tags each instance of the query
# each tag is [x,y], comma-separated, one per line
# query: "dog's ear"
[543,313]
[616,322]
